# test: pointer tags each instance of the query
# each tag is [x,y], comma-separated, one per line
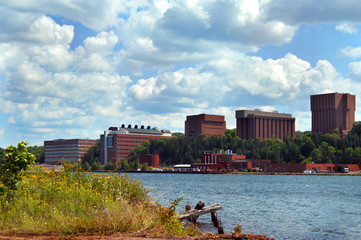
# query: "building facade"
[210,161]
[311,167]
[206,124]
[67,149]
[151,159]
[333,111]
[116,143]
[253,124]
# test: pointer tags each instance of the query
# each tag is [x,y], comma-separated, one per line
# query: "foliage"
[237,229]
[38,152]
[327,148]
[90,160]
[169,219]
[109,166]
[75,202]
[16,159]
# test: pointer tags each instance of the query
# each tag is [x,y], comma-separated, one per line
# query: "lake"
[277,206]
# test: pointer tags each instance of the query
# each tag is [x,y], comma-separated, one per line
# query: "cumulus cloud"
[154,62]
[322,11]
[346,28]
[351,52]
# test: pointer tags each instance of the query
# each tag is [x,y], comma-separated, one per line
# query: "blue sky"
[71,69]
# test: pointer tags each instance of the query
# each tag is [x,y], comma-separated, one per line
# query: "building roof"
[251,113]
[142,131]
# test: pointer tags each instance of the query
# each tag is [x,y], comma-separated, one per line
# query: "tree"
[38,152]
[124,165]
[91,158]
[16,159]
[316,155]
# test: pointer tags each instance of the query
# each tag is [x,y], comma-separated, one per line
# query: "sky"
[73,68]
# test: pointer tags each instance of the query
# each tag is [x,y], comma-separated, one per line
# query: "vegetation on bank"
[72,201]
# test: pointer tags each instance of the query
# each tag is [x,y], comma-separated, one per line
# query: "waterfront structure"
[206,124]
[333,111]
[211,161]
[151,159]
[253,124]
[311,167]
[116,143]
[251,165]
[68,149]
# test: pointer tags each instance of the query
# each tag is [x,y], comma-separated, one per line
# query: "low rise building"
[211,161]
[68,149]
[152,160]
[311,167]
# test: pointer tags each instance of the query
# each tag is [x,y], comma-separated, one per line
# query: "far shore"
[234,172]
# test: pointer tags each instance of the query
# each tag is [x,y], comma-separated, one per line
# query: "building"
[67,149]
[211,161]
[333,111]
[116,143]
[206,124]
[311,167]
[258,124]
[257,165]
[152,160]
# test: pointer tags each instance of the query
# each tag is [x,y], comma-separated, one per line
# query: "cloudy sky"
[72,68]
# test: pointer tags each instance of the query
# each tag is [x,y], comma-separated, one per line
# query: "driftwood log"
[192,215]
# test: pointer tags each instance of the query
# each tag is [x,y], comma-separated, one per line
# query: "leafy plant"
[16,159]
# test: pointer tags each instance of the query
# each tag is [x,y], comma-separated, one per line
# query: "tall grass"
[76,202]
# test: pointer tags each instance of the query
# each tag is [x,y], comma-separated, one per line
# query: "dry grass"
[71,202]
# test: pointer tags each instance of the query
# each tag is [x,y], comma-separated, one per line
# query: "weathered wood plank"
[196,213]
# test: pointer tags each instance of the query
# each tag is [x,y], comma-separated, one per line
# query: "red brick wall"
[123,144]
[332,111]
[151,159]
[205,124]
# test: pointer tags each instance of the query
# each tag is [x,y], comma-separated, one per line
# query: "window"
[110,141]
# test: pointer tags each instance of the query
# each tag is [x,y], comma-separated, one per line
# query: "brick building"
[333,111]
[120,141]
[258,124]
[151,159]
[68,149]
[251,164]
[314,167]
[217,161]
[206,124]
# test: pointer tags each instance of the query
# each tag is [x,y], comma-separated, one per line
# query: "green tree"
[91,158]
[316,155]
[16,159]
[124,165]
[38,152]
[144,167]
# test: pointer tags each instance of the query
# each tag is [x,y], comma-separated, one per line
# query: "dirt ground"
[150,234]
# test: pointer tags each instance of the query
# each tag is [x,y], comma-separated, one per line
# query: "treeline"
[37,151]
[304,148]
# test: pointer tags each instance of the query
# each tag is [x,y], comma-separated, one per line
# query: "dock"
[193,214]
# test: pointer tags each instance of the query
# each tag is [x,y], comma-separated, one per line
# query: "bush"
[75,202]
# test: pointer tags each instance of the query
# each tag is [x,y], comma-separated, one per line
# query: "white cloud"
[2,133]
[351,52]
[346,28]
[154,62]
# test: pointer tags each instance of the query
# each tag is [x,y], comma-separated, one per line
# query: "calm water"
[277,206]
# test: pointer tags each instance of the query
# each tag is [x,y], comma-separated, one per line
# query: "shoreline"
[233,173]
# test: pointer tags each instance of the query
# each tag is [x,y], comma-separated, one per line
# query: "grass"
[71,202]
